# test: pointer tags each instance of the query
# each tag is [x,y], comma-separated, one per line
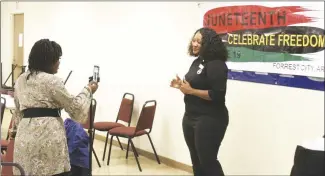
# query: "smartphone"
[96,73]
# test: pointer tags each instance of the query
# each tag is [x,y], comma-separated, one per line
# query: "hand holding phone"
[93,85]
[93,80]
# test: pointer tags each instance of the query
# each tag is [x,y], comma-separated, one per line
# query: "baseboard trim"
[167,161]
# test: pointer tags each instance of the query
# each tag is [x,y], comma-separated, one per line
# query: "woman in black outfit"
[206,116]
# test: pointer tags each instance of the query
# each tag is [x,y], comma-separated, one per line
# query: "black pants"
[203,136]
[63,174]
[75,171]
[79,171]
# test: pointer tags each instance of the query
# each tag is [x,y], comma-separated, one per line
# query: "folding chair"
[7,161]
[145,123]
[87,127]
[5,143]
[2,107]
[124,115]
[8,146]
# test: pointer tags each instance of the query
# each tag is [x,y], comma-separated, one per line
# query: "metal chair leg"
[135,151]
[94,135]
[96,157]
[127,149]
[136,158]
[105,146]
[110,149]
[119,142]
[154,150]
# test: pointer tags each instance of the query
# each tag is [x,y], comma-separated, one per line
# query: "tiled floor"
[118,164]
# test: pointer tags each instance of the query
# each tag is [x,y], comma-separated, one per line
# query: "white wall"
[5,41]
[140,47]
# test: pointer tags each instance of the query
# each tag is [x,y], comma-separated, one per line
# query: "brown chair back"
[86,125]
[2,108]
[9,157]
[10,126]
[126,109]
[147,116]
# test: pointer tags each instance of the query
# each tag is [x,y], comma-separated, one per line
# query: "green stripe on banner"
[243,54]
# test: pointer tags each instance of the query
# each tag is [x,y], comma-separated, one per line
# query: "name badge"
[200,70]
[201,66]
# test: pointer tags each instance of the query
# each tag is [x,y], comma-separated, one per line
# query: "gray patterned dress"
[40,143]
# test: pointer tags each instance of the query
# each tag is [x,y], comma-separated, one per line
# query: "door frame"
[12,34]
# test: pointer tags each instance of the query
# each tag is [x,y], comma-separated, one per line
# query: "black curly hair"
[43,56]
[212,47]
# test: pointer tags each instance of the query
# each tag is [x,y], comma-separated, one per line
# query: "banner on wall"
[270,37]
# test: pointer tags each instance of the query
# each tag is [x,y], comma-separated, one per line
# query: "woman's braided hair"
[43,56]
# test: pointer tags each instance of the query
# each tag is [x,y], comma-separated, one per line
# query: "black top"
[213,77]
[308,162]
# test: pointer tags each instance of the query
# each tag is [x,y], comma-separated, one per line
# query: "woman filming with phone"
[38,129]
